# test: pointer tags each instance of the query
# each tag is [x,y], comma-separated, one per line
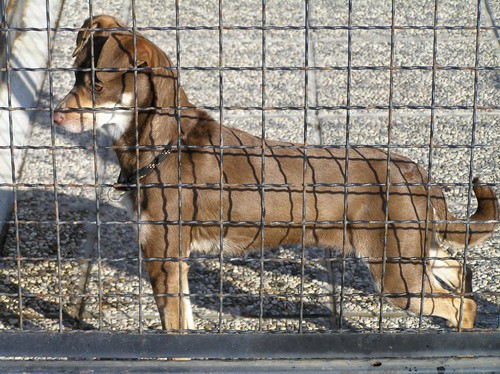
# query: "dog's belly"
[213,247]
[237,244]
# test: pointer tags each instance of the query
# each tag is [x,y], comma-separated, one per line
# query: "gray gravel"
[55,257]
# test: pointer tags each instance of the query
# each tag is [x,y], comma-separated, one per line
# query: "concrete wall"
[19,89]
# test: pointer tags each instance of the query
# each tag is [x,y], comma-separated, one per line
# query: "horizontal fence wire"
[266,28]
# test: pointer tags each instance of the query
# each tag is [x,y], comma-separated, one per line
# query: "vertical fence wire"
[471,159]
[54,171]
[388,165]
[178,114]
[138,218]
[262,165]
[96,169]
[346,167]
[221,168]
[304,168]
[423,293]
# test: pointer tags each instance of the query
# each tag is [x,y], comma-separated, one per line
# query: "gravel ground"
[99,277]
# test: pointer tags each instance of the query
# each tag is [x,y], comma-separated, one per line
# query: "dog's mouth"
[66,121]
[118,115]
[116,121]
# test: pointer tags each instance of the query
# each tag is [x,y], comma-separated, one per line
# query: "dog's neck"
[155,131]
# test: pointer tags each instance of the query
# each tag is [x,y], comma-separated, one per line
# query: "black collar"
[127,181]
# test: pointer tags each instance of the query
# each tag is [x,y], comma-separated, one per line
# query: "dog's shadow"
[48,247]
[272,289]
[262,292]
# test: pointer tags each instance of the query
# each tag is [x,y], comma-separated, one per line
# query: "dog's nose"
[59,118]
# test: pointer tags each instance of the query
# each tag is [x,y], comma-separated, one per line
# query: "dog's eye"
[98,86]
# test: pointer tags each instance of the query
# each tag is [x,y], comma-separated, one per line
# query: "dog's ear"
[164,80]
[97,22]
[118,53]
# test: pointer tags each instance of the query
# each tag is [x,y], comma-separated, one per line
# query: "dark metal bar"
[304,346]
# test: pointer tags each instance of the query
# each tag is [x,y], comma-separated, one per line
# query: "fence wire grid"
[418,79]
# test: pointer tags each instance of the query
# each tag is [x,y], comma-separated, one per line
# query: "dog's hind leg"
[404,278]
[448,270]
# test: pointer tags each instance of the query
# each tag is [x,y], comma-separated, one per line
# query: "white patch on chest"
[117,121]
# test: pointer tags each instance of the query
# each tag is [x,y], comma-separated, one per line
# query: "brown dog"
[397,231]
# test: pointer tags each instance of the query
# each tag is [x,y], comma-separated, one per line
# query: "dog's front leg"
[173,302]
[168,274]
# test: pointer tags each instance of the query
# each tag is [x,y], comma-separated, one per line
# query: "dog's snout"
[59,118]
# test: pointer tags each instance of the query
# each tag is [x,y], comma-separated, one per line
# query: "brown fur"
[201,169]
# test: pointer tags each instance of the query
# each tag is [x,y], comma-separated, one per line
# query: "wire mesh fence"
[389,78]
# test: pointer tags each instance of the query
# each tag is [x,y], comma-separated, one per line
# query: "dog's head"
[116,73]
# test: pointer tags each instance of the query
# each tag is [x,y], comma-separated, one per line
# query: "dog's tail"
[455,232]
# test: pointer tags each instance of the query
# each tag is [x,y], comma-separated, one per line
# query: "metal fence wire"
[371,81]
